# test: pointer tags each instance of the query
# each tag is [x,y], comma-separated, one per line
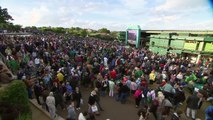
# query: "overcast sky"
[113,14]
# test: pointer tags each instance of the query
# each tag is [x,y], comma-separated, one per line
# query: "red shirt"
[162,84]
[113,74]
[144,83]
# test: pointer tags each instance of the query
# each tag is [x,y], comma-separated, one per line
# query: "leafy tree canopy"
[104,30]
[4,15]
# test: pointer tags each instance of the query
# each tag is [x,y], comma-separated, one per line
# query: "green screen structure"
[133,35]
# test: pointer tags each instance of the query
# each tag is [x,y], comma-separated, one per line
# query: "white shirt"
[81,117]
[180,76]
[111,85]
[105,61]
[37,61]
[34,54]
[50,101]
[164,76]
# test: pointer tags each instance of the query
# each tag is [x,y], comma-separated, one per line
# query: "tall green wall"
[193,43]
[159,50]
[208,47]
[190,46]
[177,44]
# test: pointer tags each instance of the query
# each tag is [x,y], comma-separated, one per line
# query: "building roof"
[180,31]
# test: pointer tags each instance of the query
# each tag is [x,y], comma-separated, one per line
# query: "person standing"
[154,107]
[71,114]
[105,61]
[124,93]
[152,77]
[168,90]
[113,74]
[137,96]
[50,101]
[37,91]
[92,104]
[143,113]
[150,96]
[209,113]
[77,97]
[82,116]
[111,88]
[104,87]
[58,96]
[194,103]
[97,98]
[37,62]
[179,96]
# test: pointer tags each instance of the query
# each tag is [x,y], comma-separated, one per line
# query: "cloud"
[182,5]
[169,25]
[112,14]
[204,25]
[166,19]
[133,4]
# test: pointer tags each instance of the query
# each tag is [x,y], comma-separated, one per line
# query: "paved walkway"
[40,114]
[113,110]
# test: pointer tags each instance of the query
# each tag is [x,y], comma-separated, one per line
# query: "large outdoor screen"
[132,34]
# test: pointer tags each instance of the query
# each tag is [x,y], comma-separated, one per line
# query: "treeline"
[102,33]
[6,24]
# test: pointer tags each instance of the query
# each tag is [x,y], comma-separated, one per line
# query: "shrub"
[16,98]
[25,116]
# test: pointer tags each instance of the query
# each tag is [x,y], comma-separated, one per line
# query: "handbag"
[82,101]
[41,100]
[94,108]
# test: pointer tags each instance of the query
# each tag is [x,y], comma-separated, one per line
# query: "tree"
[4,15]
[17,27]
[104,30]
[58,30]
[114,34]
[83,33]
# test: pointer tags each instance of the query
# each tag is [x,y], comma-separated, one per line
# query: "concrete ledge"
[34,103]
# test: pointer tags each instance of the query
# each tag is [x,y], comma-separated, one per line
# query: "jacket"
[179,96]
[193,102]
[50,101]
[152,76]
[92,100]
[71,113]
[168,88]
[137,93]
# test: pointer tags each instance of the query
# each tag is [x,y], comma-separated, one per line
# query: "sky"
[115,15]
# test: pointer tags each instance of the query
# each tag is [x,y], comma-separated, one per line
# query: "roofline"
[179,31]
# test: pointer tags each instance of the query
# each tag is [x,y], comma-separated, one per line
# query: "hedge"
[14,98]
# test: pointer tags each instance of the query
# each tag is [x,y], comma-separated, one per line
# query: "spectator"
[37,91]
[209,113]
[82,116]
[97,98]
[50,101]
[71,112]
[194,103]
[77,97]
[124,93]
[152,77]
[111,88]
[143,113]
[179,96]
[137,96]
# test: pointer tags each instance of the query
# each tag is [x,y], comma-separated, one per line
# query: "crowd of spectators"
[55,67]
